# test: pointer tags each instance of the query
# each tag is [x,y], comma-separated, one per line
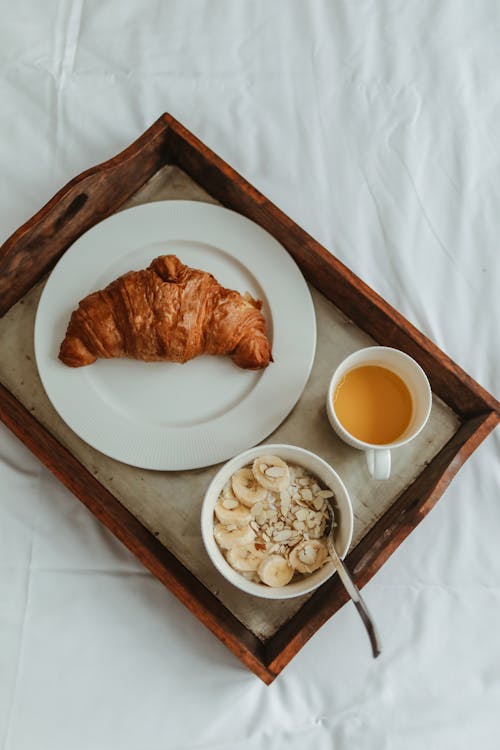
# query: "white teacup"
[379,456]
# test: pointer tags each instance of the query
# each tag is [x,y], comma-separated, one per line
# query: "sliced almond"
[256,509]
[301,502]
[285,507]
[282,536]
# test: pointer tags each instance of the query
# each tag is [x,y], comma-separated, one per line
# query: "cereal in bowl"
[271,521]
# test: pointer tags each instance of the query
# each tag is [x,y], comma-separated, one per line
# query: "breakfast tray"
[156,514]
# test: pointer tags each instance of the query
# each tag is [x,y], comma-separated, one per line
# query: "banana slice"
[246,489]
[275,571]
[227,491]
[308,555]
[246,557]
[239,515]
[229,539]
[271,472]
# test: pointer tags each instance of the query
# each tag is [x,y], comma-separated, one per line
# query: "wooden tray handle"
[92,196]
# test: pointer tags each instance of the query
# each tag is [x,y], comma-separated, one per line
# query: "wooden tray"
[169,162]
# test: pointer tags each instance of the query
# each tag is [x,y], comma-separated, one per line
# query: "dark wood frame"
[35,248]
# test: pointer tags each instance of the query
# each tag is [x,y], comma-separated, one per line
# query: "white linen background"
[375,125]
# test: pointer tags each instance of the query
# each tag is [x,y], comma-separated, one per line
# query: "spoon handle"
[356,597]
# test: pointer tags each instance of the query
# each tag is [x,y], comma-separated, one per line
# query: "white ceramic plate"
[163,415]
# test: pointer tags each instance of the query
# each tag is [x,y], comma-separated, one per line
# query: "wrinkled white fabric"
[375,125]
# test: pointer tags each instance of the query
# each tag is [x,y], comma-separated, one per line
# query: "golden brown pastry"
[167,312]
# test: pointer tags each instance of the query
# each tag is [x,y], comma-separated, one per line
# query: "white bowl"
[343,517]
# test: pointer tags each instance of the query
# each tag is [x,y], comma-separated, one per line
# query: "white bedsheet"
[376,126]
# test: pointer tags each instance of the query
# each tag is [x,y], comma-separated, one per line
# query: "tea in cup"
[379,398]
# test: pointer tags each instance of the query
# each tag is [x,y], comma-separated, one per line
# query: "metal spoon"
[352,589]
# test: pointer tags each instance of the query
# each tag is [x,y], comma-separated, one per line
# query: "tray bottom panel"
[168,503]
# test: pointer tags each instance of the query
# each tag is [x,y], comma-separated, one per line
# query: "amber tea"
[373,404]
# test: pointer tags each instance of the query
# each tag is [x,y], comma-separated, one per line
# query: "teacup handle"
[379,463]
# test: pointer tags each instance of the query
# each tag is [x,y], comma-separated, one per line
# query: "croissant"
[168,311]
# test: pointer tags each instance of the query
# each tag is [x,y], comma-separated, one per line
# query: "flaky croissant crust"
[168,311]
